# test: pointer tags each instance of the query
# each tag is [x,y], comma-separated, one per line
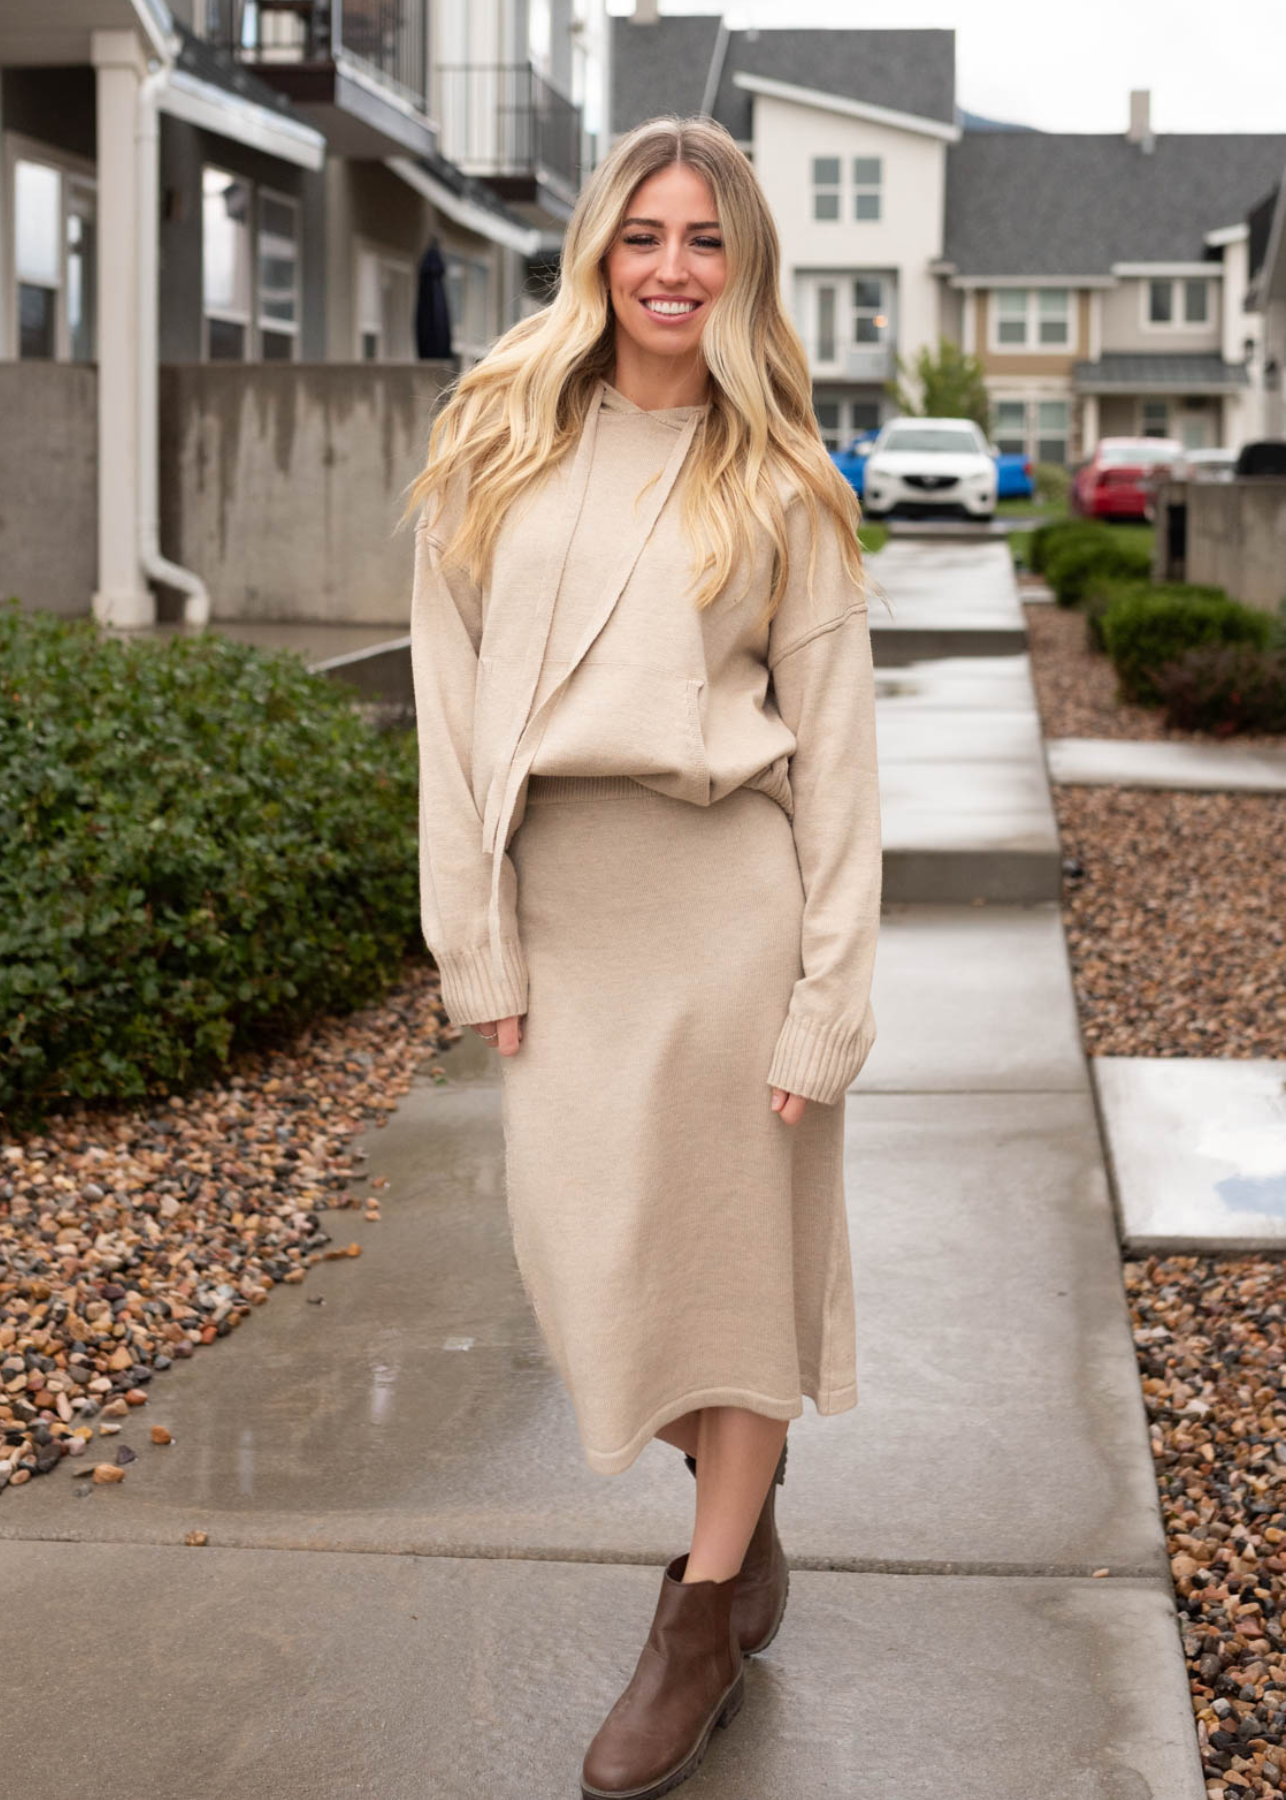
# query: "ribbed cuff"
[471,992]
[819,1061]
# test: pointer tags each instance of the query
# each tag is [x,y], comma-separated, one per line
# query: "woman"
[650,866]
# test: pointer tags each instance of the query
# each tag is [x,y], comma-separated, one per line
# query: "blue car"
[1013,470]
[851,460]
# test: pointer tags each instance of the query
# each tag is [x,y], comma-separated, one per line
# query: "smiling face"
[667,264]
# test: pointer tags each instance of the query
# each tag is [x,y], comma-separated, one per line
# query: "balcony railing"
[504,119]
[389,38]
[852,362]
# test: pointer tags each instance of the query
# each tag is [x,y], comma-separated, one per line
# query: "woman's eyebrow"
[700,225]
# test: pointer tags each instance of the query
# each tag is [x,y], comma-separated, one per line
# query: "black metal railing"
[506,119]
[388,37]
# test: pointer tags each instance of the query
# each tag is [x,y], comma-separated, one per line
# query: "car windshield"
[934,440]
[1116,454]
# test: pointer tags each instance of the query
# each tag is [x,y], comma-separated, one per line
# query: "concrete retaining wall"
[49,485]
[282,486]
[1236,538]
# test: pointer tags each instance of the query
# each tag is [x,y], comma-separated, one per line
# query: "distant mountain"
[976,122]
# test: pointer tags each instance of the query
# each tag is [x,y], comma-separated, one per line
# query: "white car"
[931,463]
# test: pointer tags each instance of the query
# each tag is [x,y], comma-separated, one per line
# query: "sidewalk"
[415,1587]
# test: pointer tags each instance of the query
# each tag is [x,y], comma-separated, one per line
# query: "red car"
[1116,482]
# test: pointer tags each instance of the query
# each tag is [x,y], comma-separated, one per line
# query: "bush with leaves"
[1046,538]
[1225,689]
[203,845]
[1144,631]
[1052,482]
[1103,591]
[1074,561]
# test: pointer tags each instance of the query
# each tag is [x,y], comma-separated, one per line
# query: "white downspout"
[196,603]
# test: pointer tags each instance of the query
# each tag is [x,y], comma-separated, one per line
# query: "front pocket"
[625,719]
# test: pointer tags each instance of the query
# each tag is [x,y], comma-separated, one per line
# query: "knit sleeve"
[455,871]
[824,687]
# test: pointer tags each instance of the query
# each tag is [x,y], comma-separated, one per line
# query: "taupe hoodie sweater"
[584,655]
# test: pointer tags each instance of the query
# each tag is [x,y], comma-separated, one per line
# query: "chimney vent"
[1140,131]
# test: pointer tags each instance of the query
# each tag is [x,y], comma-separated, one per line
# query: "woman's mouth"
[670,309]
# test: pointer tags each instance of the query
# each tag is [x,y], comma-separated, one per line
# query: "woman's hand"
[790,1106]
[503,1035]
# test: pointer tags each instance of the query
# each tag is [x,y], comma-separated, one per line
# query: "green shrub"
[1098,553]
[202,845]
[1145,631]
[1053,483]
[1045,537]
[1225,688]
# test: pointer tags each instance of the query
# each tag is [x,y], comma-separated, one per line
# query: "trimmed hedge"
[1103,592]
[1145,631]
[1077,561]
[204,845]
[1228,688]
[1045,537]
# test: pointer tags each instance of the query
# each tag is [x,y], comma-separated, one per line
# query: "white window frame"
[810,281]
[251,319]
[467,347]
[232,315]
[864,189]
[71,170]
[1178,320]
[832,189]
[384,256]
[1033,434]
[278,327]
[1032,316]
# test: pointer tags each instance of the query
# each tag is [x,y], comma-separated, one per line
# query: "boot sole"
[754,1649]
[725,1711]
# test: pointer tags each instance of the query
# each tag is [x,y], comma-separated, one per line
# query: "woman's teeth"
[671,306]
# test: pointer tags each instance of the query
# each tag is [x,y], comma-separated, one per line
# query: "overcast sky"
[1069,65]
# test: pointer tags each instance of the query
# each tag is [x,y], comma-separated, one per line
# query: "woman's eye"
[703,243]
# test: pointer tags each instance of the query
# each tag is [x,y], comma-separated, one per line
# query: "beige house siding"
[1124,326]
[1022,362]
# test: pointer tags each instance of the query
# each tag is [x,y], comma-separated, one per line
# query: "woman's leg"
[737,1452]
[681,1432]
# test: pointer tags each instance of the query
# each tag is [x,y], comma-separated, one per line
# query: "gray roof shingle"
[663,67]
[1138,369]
[1054,203]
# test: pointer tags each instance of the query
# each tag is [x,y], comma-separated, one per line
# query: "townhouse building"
[1266,299]
[1101,278]
[238,183]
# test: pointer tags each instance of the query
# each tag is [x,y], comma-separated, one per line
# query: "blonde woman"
[650,866]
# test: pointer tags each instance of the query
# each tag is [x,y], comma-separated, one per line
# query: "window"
[468,286]
[826,187]
[278,277]
[225,263]
[1051,431]
[1032,318]
[1178,301]
[866,186]
[840,419]
[53,257]
[250,270]
[385,308]
[1034,428]
[1011,427]
[846,321]
[1156,418]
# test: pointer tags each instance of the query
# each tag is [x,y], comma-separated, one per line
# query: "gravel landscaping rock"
[1210,1335]
[1076,687]
[1175,929]
[132,1236]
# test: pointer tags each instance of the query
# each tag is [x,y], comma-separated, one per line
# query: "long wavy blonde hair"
[518,411]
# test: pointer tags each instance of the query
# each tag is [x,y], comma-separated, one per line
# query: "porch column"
[122,596]
[1089,424]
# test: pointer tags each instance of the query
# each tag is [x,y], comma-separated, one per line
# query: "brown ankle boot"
[688,1680]
[764,1581]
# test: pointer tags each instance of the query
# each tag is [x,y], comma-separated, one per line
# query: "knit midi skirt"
[680,1245]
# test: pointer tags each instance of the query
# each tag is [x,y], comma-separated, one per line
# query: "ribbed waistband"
[586,787]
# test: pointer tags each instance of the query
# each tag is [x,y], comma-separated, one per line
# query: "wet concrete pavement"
[414,1585]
